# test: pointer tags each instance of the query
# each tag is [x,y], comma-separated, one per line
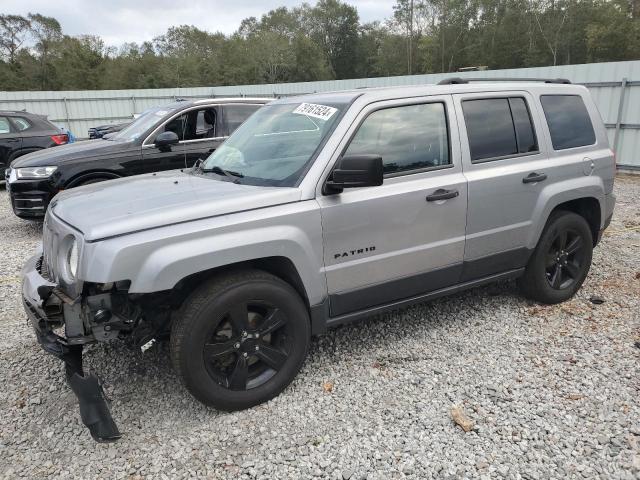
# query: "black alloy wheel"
[565,259]
[240,338]
[561,260]
[247,345]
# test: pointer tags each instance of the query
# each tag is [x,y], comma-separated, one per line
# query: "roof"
[22,113]
[338,97]
[382,93]
[17,112]
[232,100]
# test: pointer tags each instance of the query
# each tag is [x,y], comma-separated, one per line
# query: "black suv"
[163,138]
[23,132]
[102,130]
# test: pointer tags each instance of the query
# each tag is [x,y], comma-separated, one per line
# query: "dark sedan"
[163,138]
[23,132]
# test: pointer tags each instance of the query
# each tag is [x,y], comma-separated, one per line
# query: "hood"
[73,151]
[126,205]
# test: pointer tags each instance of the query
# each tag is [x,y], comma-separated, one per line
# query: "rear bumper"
[610,203]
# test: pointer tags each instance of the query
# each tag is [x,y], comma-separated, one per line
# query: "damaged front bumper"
[48,308]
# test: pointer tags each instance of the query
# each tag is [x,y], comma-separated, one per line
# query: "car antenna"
[184,149]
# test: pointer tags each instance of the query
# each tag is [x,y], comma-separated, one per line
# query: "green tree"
[47,34]
[334,26]
[13,33]
[79,62]
[325,40]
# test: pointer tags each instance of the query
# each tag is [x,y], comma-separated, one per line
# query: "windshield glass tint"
[275,144]
[141,124]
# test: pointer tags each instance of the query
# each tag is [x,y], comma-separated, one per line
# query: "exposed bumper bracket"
[94,410]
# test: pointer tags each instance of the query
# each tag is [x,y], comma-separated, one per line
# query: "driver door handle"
[442,194]
[534,177]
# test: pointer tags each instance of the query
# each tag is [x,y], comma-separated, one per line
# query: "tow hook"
[94,410]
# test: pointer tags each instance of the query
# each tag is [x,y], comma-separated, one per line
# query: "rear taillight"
[60,139]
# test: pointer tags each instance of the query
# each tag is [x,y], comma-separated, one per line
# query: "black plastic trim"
[354,316]
[319,314]
[461,80]
[405,287]
[607,222]
[382,293]
[493,264]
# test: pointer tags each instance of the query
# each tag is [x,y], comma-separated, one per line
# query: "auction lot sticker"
[313,110]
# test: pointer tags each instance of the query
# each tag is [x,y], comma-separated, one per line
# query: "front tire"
[240,339]
[561,260]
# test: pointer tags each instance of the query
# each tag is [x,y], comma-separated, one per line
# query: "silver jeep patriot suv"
[317,211]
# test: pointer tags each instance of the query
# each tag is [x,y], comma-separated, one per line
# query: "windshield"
[141,124]
[275,144]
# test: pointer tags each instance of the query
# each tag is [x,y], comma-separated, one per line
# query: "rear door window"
[235,115]
[569,122]
[498,128]
[525,136]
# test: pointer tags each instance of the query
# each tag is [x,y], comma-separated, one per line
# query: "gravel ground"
[553,391]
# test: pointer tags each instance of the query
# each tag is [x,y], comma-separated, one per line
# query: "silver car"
[321,210]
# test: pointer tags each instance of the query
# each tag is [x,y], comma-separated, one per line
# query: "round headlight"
[72,259]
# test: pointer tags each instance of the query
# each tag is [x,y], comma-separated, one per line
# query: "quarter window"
[4,125]
[498,128]
[21,123]
[408,138]
[568,120]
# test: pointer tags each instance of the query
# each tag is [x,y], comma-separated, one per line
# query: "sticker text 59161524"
[322,112]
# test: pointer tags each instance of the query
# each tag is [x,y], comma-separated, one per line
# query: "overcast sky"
[119,21]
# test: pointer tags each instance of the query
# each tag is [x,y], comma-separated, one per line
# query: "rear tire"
[561,260]
[240,339]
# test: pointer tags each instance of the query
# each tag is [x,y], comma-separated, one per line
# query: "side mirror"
[353,171]
[166,139]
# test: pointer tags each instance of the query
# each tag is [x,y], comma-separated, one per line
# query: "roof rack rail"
[460,80]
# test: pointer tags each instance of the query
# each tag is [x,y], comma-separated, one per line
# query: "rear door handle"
[534,177]
[442,194]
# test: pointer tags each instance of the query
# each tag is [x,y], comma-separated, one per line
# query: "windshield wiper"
[235,176]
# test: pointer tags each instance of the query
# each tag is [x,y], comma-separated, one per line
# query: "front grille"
[50,241]
[43,270]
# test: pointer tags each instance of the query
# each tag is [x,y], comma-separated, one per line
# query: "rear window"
[568,120]
[498,128]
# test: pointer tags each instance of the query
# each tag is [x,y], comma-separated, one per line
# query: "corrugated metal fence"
[615,86]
